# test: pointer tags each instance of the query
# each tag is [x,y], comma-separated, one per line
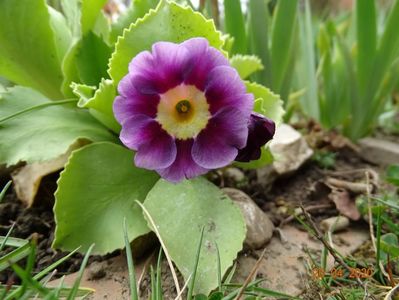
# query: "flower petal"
[135,104]
[161,70]
[184,167]
[224,87]
[217,145]
[202,60]
[159,153]
[260,131]
[138,129]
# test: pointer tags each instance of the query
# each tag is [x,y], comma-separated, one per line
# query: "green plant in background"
[350,73]
[268,34]
[384,211]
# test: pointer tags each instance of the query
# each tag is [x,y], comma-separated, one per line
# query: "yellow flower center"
[183,111]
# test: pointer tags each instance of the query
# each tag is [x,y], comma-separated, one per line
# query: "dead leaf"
[26,180]
[345,205]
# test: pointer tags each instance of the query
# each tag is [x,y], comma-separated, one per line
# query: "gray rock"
[234,174]
[259,227]
[380,152]
[290,151]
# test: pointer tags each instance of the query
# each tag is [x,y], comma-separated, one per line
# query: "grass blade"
[50,268]
[307,63]
[271,293]
[235,26]
[153,285]
[29,281]
[4,190]
[283,30]
[230,275]
[11,241]
[130,264]
[159,276]
[75,287]
[14,256]
[154,227]
[4,240]
[366,31]
[219,269]
[258,25]
[194,273]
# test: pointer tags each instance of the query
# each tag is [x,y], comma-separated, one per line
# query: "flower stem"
[39,106]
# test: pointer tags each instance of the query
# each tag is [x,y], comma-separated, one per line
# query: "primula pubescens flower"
[184,109]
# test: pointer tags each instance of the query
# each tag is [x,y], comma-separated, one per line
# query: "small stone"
[234,174]
[334,224]
[259,227]
[380,152]
[96,271]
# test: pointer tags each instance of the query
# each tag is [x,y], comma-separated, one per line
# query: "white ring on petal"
[179,126]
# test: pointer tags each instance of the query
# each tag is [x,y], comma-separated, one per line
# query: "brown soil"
[38,220]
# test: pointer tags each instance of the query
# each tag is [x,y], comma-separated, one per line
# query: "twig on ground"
[308,209]
[371,226]
[165,250]
[251,275]
[319,235]
[354,187]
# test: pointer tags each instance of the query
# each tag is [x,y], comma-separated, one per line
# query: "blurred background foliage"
[335,62]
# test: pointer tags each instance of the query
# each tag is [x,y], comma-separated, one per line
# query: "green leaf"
[180,211]
[366,30]
[45,133]
[63,35]
[235,26]
[28,52]
[259,37]
[246,64]
[99,102]
[86,62]
[82,15]
[266,102]
[169,22]
[72,12]
[284,22]
[87,58]
[306,64]
[70,70]
[91,59]
[390,246]
[266,158]
[393,174]
[137,9]
[91,10]
[96,191]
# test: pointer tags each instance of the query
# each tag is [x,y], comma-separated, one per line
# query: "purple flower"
[260,131]
[183,108]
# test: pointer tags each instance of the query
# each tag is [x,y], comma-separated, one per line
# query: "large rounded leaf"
[169,22]
[96,191]
[180,211]
[43,134]
[46,133]
[29,53]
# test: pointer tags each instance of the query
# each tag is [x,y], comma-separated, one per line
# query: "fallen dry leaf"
[345,205]
[26,180]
